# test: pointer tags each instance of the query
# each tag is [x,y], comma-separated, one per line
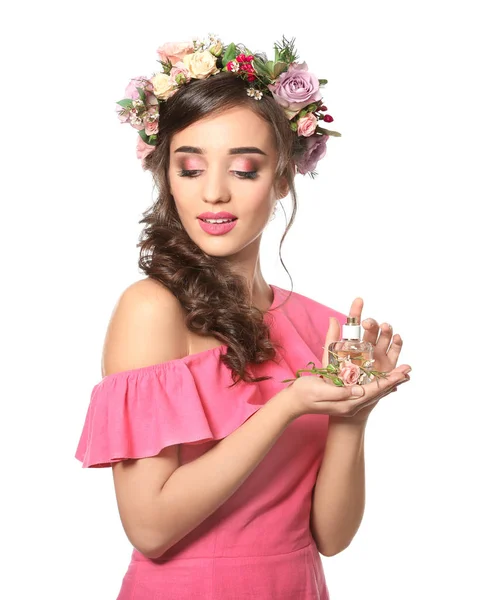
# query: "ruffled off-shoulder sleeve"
[137,413]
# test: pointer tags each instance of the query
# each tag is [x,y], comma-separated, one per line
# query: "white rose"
[201,64]
[163,86]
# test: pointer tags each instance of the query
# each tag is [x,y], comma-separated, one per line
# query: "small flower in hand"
[346,374]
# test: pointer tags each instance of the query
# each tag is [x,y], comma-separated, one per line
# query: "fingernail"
[357,391]
[407,370]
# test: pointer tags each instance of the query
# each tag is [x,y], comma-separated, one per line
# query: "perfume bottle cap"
[351,329]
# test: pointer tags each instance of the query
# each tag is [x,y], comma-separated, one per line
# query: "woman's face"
[224,163]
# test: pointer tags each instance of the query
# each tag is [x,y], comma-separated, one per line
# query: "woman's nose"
[215,186]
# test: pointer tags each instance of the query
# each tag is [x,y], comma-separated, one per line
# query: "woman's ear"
[282,188]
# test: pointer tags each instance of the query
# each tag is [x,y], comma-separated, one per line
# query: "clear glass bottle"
[351,348]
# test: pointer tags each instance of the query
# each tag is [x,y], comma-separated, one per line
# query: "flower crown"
[290,83]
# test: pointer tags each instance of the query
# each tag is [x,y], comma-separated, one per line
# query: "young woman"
[229,481]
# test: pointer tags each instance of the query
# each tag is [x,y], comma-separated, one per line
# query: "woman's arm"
[339,494]
[195,490]
[159,500]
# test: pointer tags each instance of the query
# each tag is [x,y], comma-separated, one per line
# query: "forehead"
[237,126]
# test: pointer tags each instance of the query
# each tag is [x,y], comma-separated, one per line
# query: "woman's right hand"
[310,394]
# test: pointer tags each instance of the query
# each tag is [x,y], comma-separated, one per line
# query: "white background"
[390,218]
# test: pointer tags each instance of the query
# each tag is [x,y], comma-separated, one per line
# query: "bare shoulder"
[146,327]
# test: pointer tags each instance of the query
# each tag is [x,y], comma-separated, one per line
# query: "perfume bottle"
[352,349]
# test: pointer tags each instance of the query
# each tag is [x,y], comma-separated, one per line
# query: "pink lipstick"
[217,228]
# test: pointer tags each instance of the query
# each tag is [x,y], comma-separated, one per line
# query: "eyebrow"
[239,150]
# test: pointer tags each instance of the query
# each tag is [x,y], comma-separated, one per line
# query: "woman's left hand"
[385,354]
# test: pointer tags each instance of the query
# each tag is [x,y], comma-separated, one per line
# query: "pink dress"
[258,544]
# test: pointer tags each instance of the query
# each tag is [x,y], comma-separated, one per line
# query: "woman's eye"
[194,172]
[187,173]
[247,174]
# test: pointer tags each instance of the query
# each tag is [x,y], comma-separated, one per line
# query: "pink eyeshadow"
[190,164]
[245,165]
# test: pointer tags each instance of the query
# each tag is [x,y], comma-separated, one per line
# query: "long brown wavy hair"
[216,298]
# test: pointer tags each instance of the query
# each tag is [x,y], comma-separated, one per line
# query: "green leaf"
[166,65]
[126,103]
[142,94]
[279,68]
[230,53]
[328,131]
[145,137]
[322,81]
[286,50]
[262,68]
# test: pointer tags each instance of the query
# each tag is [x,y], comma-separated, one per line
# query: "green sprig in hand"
[348,373]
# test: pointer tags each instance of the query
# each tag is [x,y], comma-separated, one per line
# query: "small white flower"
[235,66]
[135,120]
[257,94]
[213,38]
[138,103]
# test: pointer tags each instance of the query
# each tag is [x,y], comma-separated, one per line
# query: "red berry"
[240,57]
[323,108]
[229,65]
[328,119]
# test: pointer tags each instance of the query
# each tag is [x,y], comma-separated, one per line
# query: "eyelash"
[244,174]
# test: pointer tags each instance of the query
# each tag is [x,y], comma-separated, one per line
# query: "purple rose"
[315,150]
[296,88]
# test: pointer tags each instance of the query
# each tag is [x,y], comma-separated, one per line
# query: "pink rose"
[143,149]
[307,125]
[349,373]
[152,126]
[180,69]
[296,88]
[131,91]
[151,100]
[174,51]
[315,150]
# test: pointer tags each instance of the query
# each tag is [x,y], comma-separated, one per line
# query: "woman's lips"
[217,228]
